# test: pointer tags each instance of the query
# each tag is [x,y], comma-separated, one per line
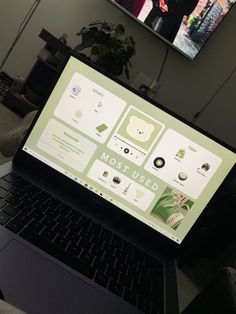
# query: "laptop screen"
[128,151]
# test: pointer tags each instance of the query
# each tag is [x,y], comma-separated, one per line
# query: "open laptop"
[99,197]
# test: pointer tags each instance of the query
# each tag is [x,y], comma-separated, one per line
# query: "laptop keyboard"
[81,243]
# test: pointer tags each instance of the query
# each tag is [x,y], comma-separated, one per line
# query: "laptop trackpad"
[37,285]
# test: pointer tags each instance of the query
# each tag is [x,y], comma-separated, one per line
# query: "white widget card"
[89,108]
[182,163]
[66,145]
[135,135]
[121,185]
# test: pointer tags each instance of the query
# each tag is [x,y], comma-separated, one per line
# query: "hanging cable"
[21,29]
[163,64]
[25,18]
[198,114]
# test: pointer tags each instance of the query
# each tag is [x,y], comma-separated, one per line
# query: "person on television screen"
[170,14]
[133,6]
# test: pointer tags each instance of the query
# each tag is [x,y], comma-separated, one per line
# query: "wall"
[186,86]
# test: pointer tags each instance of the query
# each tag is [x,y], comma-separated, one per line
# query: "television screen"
[184,24]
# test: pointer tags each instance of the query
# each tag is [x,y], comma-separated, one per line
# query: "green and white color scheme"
[124,149]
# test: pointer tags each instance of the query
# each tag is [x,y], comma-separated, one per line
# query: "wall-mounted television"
[184,24]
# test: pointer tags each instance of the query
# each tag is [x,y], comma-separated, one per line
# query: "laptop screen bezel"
[25,160]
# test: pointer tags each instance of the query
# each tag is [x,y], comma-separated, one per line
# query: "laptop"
[99,198]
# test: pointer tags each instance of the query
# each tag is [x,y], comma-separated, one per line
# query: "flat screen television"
[184,24]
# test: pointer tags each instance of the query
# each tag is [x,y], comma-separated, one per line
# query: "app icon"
[182,176]
[105,174]
[127,188]
[181,153]
[205,166]
[116,180]
[139,194]
[101,128]
[159,162]
[75,90]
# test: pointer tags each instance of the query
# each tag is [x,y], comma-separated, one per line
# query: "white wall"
[185,86]
[69,17]
[219,118]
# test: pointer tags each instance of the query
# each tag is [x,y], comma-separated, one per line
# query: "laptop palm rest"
[37,285]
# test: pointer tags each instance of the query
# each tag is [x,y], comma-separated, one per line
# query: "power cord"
[198,114]
[163,64]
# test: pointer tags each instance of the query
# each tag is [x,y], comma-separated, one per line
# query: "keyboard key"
[10,210]
[96,250]
[139,255]
[133,273]
[101,279]
[25,207]
[87,257]
[121,267]
[109,258]
[61,242]
[74,238]
[74,249]
[13,200]
[31,191]
[37,215]
[2,203]
[112,272]
[156,308]
[106,235]
[18,192]
[60,229]
[52,203]
[99,264]
[52,213]
[36,226]
[130,297]
[116,242]
[63,220]
[115,287]
[40,206]
[15,226]
[86,246]
[6,185]
[74,228]
[11,177]
[96,229]
[125,280]
[29,200]
[127,248]
[21,183]
[48,222]
[3,193]
[23,218]
[144,305]
[69,260]
[48,234]
[42,197]
[4,218]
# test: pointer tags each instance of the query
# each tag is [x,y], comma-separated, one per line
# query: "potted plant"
[106,45]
